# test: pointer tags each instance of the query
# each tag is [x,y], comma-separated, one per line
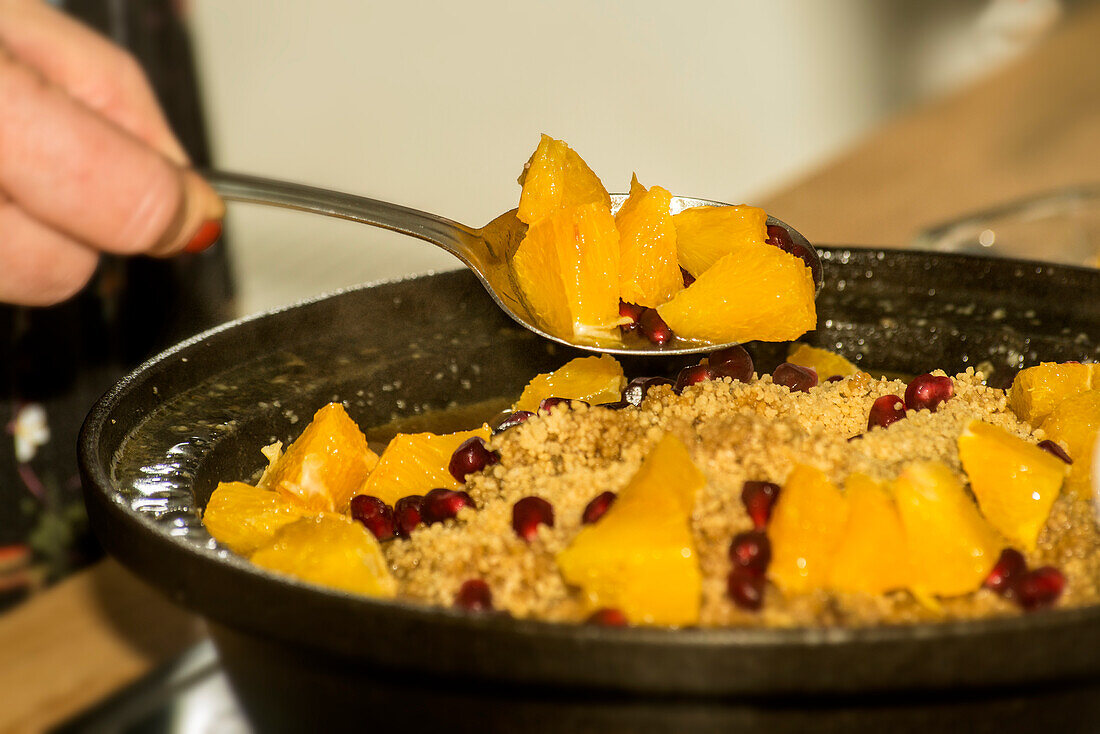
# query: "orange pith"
[1014,480]
[591,379]
[706,234]
[759,293]
[416,463]
[332,551]
[324,467]
[640,556]
[242,517]
[648,271]
[554,178]
[566,269]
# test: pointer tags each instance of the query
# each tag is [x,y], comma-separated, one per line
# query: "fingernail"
[209,232]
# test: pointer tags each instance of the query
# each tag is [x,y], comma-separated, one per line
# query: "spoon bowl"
[486,250]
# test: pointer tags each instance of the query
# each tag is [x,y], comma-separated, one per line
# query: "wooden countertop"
[1033,126]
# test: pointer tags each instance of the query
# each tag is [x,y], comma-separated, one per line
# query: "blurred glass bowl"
[1061,226]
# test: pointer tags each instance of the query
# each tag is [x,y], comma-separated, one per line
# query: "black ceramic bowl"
[155,446]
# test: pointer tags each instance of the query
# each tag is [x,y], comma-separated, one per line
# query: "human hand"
[88,164]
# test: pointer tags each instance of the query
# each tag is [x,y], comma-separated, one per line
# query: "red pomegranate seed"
[692,375]
[630,311]
[637,388]
[759,498]
[746,589]
[595,509]
[511,420]
[443,504]
[608,617]
[795,376]
[733,362]
[654,328]
[926,391]
[781,238]
[528,514]
[834,378]
[1006,572]
[617,405]
[688,277]
[547,403]
[406,514]
[374,514]
[751,551]
[1053,447]
[474,596]
[1039,588]
[471,457]
[886,410]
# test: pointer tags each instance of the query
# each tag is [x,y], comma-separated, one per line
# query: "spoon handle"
[449,235]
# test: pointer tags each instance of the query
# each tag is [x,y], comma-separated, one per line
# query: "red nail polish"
[209,233]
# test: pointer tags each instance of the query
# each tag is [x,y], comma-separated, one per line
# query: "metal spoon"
[486,251]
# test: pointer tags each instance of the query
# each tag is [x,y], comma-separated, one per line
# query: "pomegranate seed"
[759,498]
[637,388]
[692,375]
[1006,572]
[630,311]
[795,376]
[886,410]
[751,551]
[608,617]
[746,589]
[617,405]
[374,514]
[443,504]
[926,391]
[511,420]
[654,327]
[688,277]
[733,362]
[547,403]
[595,509]
[834,378]
[474,596]
[781,238]
[471,457]
[1053,447]
[406,513]
[528,514]
[1039,588]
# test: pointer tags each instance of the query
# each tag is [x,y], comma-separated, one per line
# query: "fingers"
[41,266]
[74,171]
[89,68]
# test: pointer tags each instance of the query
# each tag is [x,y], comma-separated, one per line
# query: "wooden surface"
[1031,127]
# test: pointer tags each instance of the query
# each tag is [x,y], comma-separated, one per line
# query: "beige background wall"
[436,105]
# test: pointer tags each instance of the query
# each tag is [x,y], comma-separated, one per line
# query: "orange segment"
[1037,391]
[567,271]
[806,527]
[640,556]
[324,467]
[415,463]
[757,294]
[591,379]
[827,364]
[554,178]
[1015,481]
[1074,424]
[242,517]
[952,547]
[706,234]
[329,550]
[648,271]
[871,557]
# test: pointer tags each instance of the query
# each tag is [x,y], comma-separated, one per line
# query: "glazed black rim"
[101,497]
